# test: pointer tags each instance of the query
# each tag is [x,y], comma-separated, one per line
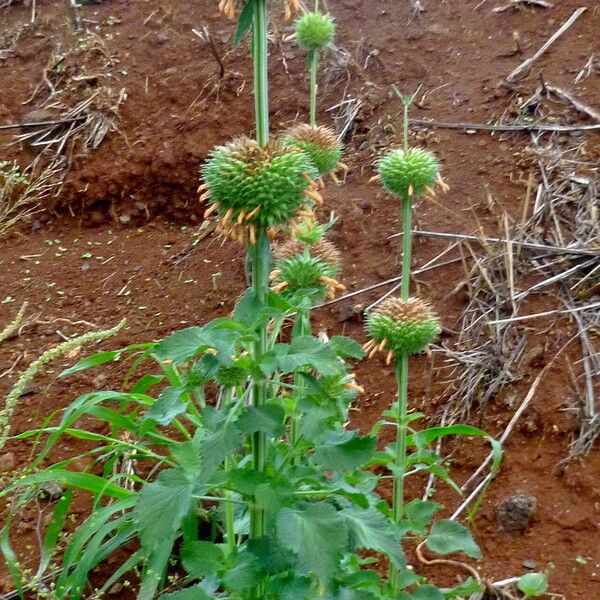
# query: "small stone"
[535,357]
[515,512]
[115,589]
[50,491]
[7,462]
[86,266]
[529,564]
[29,390]
[125,219]
[161,38]
[99,381]
[36,225]
[350,313]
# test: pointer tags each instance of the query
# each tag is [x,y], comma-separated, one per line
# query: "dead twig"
[526,127]
[523,69]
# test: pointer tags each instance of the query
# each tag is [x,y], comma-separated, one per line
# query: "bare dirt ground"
[124,237]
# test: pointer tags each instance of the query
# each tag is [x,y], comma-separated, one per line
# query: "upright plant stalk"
[260,252]
[260,53]
[301,327]
[313,69]
[402,365]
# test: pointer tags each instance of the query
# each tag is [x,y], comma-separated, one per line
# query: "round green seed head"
[408,326]
[303,273]
[402,171]
[324,250]
[242,176]
[319,143]
[315,31]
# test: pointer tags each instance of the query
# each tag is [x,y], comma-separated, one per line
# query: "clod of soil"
[515,512]
[50,491]
[7,462]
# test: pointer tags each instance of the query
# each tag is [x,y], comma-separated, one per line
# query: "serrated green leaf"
[244,574]
[448,536]
[200,558]
[162,506]
[217,446]
[308,351]
[427,592]
[345,346]
[420,513]
[267,419]
[167,406]
[372,531]
[191,593]
[271,557]
[344,451]
[464,590]
[248,308]
[317,535]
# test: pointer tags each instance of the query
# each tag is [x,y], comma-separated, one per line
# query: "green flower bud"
[256,187]
[401,326]
[307,268]
[411,173]
[315,31]
[319,143]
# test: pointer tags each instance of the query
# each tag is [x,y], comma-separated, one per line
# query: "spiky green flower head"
[319,143]
[401,326]
[253,187]
[315,31]
[411,173]
[311,269]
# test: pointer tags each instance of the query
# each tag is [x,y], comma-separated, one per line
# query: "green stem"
[400,456]
[406,247]
[260,57]
[261,262]
[314,67]
[405,124]
[301,327]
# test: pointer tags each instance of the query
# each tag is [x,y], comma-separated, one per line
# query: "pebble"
[50,491]
[514,513]
[7,462]
[99,381]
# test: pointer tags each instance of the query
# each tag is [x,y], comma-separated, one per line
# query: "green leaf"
[448,536]
[83,481]
[464,590]
[308,351]
[187,456]
[248,308]
[200,559]
[167,406]
[427,592]
[53,532]
[270,556]
[420,513]
[373,531]
[345,451]
[191,593]
[245,573]
[161,507]
[345,346]
[100,358]
[533,584]
[12,562]
[217,446]
[318,535]
[265,419]
[244,23]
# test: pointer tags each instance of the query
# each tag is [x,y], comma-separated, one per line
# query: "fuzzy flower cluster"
[315,31]
[308,268]
[320,144]
[401,327]
[411,173]
[253,187]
